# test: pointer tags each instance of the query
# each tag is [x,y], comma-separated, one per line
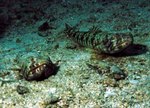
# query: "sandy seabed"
[76,85]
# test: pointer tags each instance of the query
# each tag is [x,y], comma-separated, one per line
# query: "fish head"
[116,43]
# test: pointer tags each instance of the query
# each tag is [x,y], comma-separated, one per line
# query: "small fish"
[103,42]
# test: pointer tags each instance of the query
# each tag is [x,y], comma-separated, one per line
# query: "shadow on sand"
[132,50]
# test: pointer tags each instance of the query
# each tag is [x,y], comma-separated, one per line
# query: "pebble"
[118,74]
[22,89]
[52,99]
[134,81]
[109,93]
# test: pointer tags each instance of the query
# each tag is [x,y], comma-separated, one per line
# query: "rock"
[107,69]
[109,92]
[117,73]
[134,82]
[52,99]
[45,26]
[45,29]
[22,89]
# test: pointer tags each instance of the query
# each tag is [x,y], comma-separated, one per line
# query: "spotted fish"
[103,42]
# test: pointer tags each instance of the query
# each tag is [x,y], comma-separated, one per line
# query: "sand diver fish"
[101,41]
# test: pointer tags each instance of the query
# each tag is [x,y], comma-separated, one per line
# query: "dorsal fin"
[67,26]
[95,30]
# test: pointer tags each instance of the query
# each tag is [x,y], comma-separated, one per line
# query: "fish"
[36,68]
[100,41]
